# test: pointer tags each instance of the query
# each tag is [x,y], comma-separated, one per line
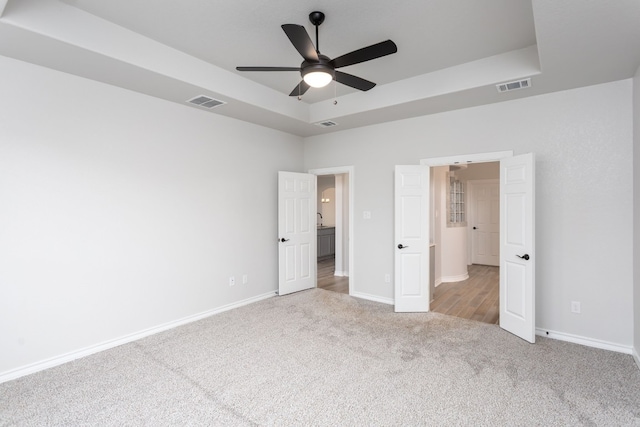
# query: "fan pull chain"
[299,94]
[335,92]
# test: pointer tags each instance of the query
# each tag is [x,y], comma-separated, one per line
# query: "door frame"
[481,158]
[350,171]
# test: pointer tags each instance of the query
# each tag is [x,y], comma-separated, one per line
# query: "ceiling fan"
[319,70]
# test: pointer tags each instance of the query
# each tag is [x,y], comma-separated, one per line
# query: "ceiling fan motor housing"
[321,66]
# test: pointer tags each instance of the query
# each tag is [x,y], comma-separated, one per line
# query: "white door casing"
[412,239]
[340,264]
[517,252]
[296,232]
[485,222]
[345,175]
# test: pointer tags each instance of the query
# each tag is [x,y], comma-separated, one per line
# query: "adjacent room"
[465,220]
[241,213]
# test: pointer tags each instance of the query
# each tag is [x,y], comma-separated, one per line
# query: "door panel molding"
[517,250]
[297,265]
[412,238]
[484,221]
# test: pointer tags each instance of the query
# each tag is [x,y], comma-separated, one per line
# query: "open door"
[412,239]
[517,252]
[296,232]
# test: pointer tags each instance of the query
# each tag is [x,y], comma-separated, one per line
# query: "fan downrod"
[316,19]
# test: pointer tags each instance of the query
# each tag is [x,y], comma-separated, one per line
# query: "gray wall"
[582,140]
[328,211]
[121,212]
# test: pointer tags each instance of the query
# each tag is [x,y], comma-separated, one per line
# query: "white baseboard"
[341,273]
[589,342]
[77,354]
[375,298]
[451,279]
[636,357]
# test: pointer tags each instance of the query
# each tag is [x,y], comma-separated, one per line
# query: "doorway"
[517,242]
[334,229]
[465,219]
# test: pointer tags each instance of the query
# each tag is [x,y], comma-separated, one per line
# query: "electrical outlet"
[387,278]
[245,279]
[575,307]
[366,215]
[232,281]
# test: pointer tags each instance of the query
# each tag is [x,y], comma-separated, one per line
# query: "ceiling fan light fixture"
[318,70]
[318,78]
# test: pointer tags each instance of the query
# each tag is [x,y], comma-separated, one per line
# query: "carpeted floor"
[327,359]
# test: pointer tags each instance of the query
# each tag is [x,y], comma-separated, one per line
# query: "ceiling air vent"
[326,124]
[205,101]
[518,84]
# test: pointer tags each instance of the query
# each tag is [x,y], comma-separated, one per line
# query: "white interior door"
[485,225]
[517,257]
[411,239]
[296,232]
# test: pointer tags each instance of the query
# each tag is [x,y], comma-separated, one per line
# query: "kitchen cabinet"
[326,242]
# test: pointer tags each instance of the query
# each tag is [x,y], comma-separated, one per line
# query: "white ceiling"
[451,53]
[431,34]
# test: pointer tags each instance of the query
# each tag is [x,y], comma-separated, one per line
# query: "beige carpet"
[327,359]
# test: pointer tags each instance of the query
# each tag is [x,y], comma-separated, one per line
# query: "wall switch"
[245,279]
[232,281]
[387,278]
[575,307]
[366,214]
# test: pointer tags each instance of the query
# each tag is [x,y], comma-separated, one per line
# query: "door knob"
[475,228]
[400,246]
[524,257]
[284,240]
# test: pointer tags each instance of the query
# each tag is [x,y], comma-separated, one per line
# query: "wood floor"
[326,279]
[476,298]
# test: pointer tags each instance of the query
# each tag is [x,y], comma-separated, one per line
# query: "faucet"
[320,219]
